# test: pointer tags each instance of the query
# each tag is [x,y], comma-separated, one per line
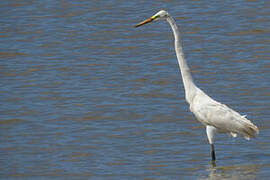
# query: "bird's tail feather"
[249,130]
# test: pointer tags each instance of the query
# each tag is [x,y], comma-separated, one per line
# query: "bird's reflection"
[213,163]
[232,172]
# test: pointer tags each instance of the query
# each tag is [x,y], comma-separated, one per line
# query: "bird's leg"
[210,131]
[213,152]
[213,162]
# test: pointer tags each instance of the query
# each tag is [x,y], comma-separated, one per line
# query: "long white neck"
[190,87]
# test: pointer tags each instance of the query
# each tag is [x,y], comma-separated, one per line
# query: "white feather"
[214,115]
[233,134]
[220,116]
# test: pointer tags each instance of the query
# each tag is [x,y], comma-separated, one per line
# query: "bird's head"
[161,15]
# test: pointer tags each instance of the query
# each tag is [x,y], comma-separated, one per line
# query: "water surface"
[84,95]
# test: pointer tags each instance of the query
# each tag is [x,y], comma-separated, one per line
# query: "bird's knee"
[210,131]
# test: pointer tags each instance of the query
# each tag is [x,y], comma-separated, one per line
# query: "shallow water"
[84,95]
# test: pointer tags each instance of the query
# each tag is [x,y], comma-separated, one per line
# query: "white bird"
[215,116]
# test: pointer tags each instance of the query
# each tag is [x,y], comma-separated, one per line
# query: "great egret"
[215,116]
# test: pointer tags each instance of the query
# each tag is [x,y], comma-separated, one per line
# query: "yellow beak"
[146,21]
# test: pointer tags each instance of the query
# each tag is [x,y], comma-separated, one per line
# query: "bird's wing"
[223,118]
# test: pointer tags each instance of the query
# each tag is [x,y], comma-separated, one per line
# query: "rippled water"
[84,95]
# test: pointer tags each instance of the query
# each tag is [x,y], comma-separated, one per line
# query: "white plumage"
[225,120]
[215,116]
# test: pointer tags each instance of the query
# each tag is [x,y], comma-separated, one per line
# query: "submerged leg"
[210,131]
[213,152]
